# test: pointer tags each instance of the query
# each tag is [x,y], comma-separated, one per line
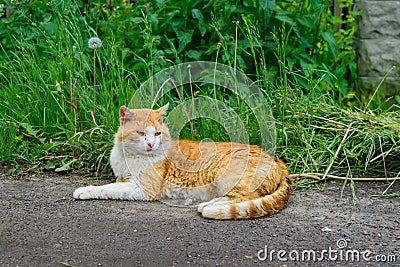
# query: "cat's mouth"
[150,149]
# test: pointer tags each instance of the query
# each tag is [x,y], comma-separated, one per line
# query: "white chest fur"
[130,165]
[136,167]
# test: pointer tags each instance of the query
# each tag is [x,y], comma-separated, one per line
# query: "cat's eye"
[157,133]
[141,133]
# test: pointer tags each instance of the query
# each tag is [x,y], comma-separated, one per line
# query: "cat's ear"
[124,115]
[162,111]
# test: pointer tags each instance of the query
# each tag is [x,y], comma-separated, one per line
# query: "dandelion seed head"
[94,42]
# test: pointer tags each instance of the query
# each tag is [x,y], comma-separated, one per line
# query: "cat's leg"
[122,191]
[214,201]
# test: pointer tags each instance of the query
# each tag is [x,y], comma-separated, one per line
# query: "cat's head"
[142,131]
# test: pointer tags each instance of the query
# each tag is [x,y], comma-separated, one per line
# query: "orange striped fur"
[237,180]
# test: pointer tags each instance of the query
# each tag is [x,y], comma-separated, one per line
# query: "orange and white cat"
[237,180]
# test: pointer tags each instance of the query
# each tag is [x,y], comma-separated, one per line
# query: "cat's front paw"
[201,206]
[214,201]
[84,193]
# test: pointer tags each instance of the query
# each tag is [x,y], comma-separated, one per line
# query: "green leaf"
[153,19]
[397,98]
[29,129]
[135,20]
[306,21]
[305,68]
[286,19]
[66,166]
[317,6]
[50,165]
[353,69]
[194,54]
[343,86]
[291,62]
[267,4]
[332,44]
[196,14]
[184,38]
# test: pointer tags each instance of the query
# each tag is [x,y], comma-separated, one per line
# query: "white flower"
[94,43]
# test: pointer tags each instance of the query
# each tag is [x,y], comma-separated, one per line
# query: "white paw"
[213,202]
[84,193]
[201,206]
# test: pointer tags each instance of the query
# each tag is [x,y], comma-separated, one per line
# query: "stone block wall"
[378,45]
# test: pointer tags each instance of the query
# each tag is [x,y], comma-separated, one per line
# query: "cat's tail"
[225,209]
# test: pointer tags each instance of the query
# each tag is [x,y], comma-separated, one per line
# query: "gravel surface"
[41,225]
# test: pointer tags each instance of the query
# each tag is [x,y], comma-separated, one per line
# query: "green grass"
[38,124]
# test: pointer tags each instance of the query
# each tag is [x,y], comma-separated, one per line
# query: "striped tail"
[225,209]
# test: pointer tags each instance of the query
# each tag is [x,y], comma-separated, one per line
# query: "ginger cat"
[237,180]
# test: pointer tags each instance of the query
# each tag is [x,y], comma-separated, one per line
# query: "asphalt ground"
[41,225]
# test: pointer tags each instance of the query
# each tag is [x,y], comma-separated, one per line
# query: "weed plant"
[59,99]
